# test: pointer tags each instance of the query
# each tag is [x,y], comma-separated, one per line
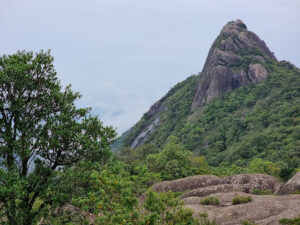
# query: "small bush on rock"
[247,222]
[261,192]
[294,221]
[241,200]
[210,201]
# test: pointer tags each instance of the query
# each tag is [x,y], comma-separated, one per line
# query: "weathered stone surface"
[226,58]
[254,181]
[203,185]
[187,183]
[257,73]
[228,49]
[220,188]
[293,185]
[242,183]
[243,78]
[263,209]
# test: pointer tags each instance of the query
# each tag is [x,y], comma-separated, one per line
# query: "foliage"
[247,222]
[261,192]
[262,166]
[41,131]
[210,201]
[203,218]
[112,192]
[257,121]
[286,173]
[163,208]
[172,162]
[294,221]
[136,156]
[175,107]
[241,200]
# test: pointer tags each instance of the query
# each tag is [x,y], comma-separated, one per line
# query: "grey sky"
[123,55]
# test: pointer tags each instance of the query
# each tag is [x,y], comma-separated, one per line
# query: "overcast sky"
[124,55]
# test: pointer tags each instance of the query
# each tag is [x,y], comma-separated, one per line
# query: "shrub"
[293,221]
[203,215]
[261,192]
[210,201]
[247,222]
[241,200]
[296,192]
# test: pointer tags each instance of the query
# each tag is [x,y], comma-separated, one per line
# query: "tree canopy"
[42,131]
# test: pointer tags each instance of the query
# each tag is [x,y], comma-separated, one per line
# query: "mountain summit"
[243,105]
[225,67]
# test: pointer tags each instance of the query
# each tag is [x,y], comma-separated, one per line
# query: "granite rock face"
[187,183]
[202,185]
[235,59]
[292,186]
[263,209]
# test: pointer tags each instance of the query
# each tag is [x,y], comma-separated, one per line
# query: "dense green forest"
[255,121]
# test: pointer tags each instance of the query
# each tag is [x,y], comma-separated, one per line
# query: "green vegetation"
[210,201]
[175,107]
[247,222]
[73,167]
[40,124]
[261,192]
[294,221]
[241,200]
[203,215]
[258,123]
[205,221]
[170,163]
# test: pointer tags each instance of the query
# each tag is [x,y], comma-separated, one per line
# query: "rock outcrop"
[254,181]
[202,185]
[292,186]
[234,60]
[262,210]
[187,183]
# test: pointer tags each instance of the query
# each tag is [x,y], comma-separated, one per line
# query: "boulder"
[187,183]
[220,188]
[254,181]
[292,186]
[257,73]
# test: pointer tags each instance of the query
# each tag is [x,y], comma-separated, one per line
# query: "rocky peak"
[235,59]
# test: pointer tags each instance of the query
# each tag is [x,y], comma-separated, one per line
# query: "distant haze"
[123,55]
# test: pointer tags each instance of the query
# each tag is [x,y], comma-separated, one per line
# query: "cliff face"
[234,60]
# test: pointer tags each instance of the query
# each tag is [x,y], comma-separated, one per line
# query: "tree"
[172,162]
[41,132]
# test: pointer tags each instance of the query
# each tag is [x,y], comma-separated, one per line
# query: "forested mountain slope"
[243,105]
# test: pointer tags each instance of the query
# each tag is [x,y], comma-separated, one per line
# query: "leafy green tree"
[173,162]
[263,166]
[41,131]
[110,193]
